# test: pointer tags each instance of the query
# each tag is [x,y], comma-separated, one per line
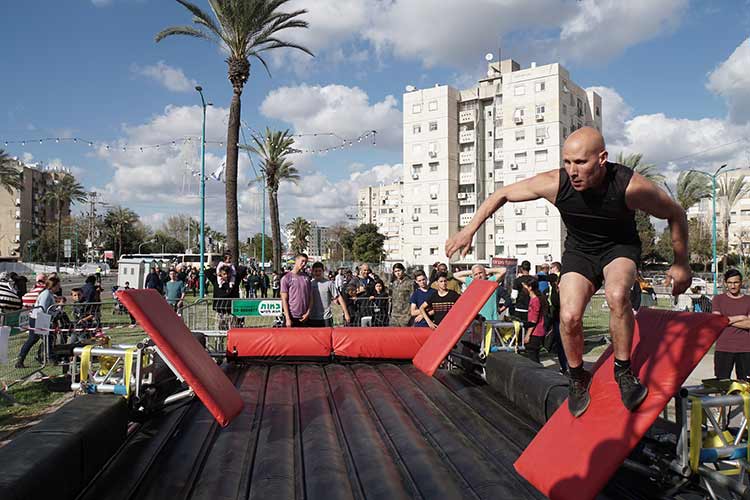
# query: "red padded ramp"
[574,458]
[379,343]
[280,342]
[455,323]
[185,353]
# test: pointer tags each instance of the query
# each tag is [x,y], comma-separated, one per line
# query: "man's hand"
[459,242]
[432,325]
[288,323]
[680,276]
[305,316]
[347,318]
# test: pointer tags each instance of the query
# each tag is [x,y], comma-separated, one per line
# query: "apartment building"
[318,242]
[23,215]
[381,205]
[461,145]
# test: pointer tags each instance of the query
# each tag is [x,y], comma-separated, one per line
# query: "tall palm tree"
[731,189]
[64,191]
[273,148]
[244,29]
[635,161]
[10,177]
[299,230]
[118,219]
[691,188]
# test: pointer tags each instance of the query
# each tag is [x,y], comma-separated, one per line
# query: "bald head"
[584,158]
[478,272]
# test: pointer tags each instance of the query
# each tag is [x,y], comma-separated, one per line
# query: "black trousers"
[533,346]
[724,362]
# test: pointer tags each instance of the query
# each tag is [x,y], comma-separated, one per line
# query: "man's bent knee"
[618,300]
[571,321]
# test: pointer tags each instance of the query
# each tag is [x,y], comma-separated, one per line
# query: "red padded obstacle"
[280,342]
[379,343]
[453,326]
[184,352]
[574,458]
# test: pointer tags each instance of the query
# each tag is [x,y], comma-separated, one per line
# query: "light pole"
[201,272]
[713,216]
[144,243]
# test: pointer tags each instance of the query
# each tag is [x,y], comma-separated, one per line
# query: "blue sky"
[670,72]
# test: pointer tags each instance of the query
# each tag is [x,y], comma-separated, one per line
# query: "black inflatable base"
[59,456]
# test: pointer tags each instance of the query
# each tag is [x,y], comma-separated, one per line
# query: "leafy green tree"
[244,29]
[731,189]
[169,243]
[700,245]
[647,170]
[664,246]
[368,243]
[340,242]
[63,192]
[299,230]
[273,148]
[184,228]
[11,178]
[647,233]
[691,188]
[255,246]
[120,223]
[44,247]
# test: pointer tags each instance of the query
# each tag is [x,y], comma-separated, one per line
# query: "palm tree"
[647,170]
[244,29]
[118,219]
[730,191]
[10,177]
[299,230]
[691,188]
[64,191]
[273,149]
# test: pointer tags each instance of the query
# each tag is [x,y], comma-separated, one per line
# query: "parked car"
[91,267]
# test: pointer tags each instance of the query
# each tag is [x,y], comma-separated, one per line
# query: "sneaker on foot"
[578,395]
[19,365]
[631,390]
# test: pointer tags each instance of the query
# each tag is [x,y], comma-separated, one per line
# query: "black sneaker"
[578,395]
[631,390]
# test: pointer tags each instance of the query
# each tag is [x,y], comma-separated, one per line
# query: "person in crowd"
[91,294]
[536,328]
[340,281]
[378,304]
[420,295]
[227,262]
[438,303]
[453,283]
[733,347]
[401,289]
[296,293]
[364,281]
[541,277]
[83,319]
[504,300]
[254,280]
[153,281]
[433,273]
[479,272]
[701,303]
[324,293]
[554,304]
[45,303]
[132,319]
[29,298]
[10,300]
[182,274]
[224,289]
[163,278]
[193,280]
[175,290]
[355,304]
[275,285]
[521,302]
[265,284]
[21,282]
[59,292]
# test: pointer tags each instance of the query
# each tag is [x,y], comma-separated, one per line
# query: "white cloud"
[615,113]
[731,80]
[169,77]
[335,108]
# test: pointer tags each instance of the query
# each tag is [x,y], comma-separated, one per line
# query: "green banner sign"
[256,307]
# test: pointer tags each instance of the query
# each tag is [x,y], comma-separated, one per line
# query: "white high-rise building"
[459,146]
[381,205]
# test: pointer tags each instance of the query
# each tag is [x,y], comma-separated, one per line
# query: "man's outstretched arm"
[543,185]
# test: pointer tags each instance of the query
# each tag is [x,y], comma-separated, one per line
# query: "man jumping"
[597,200]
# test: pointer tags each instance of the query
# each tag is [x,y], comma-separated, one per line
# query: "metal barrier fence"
[19,333]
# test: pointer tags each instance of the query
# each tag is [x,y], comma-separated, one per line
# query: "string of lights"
[107,146]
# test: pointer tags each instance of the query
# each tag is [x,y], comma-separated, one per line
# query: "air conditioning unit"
[513,166]
[518,120]
[461,196]
[539,117]
[540,140]
[415,176]
[433,196]
[432,154]
[415,217]
[518,211]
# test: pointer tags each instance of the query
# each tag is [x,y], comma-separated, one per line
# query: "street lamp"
[201,272]
[144,243]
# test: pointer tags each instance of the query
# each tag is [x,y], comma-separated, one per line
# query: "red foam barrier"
[455,323]
[573,458]
[379,343]
[280,342]
[184,352]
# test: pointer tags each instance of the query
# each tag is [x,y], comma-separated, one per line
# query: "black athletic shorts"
[592,266]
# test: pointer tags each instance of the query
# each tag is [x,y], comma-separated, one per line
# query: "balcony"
[469,199]
[467,177]
[467,116]
[466,136]
[464,219]
[466,157]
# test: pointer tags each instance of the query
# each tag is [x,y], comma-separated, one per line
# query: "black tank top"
[598,219]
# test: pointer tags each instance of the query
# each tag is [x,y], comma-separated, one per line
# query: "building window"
[540,156]
[433,147]
[539,86]
[500,229]
[565,132]
[540,109]
[499,249]
[417,210]
[416,168]
[433,126]
[417,252]
[519,90]
[416,148]
[433,230]
[521,226]
[597,111]
[565,109]
[434,250]
[434,166]
[416,108]
[541,225]
[542,248]
[432,105]
[417,230]
[520,135]
[520,157]
[489,133]
[522,249]
[416,129]
[433,210]
[489,154]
